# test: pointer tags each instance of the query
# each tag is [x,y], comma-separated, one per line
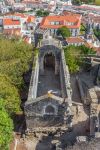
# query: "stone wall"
[65,79]
[84,91]
[35,110]
[36,115]
[46,49]
[32,94]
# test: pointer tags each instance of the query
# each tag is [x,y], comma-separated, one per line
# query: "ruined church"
[48,105]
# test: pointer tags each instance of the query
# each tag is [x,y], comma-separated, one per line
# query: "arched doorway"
[49,61]
[49,110]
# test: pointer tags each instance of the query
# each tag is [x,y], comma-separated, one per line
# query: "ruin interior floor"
[49,82]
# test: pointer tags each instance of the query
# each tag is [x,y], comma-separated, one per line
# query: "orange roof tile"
[64,20]
[8,21]
[88,45]
[30,19]
[17,14]
[74,40]
[71,13]
[20,15]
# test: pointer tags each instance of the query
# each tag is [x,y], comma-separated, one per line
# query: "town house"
[53,23]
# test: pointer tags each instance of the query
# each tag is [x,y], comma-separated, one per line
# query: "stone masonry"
[52,109]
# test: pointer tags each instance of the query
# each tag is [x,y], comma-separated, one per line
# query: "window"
[69,23]
[55,23]
[50,110]
[52,23]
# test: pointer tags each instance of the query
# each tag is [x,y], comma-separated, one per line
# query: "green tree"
[86,50]
[64,32]
[45,13]
[39,13]
[77,2]
[10,94]
[6,127]
[42,13]
[97,33]
[75,56]
[82,29]
[72,58]
[15,60]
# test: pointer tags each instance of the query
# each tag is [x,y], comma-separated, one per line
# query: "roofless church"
[48,105]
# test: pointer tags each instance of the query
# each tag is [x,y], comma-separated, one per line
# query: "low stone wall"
[32,94]
[65,79]
[84,92]
[89,97]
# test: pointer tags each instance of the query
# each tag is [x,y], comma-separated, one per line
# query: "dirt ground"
[80,127]
[31,143]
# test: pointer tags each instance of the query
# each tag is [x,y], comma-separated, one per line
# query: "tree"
[77,2]
[15,60]
[6,127]
[97,33]
[10,94]
[74,56]
[82,29]
[64,32]
[42,13]
[45,13]
[39,13]
[86,50]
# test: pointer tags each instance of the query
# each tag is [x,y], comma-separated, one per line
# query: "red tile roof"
[63,22]
[30,19]
[20,15]
[74,40]
[17,14]
[90,45]
[8,21]
[66,13]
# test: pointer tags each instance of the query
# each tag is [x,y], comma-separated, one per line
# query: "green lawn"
[97,2]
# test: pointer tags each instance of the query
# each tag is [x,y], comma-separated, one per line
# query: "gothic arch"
[47,49]
[50,110]
[49,60]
